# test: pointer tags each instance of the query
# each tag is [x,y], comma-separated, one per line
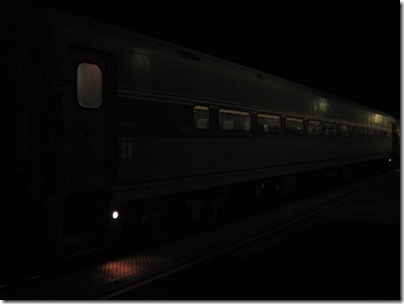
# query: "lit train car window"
[89,85]
[294,126]
[314,127]
[268,123]
[201,117]
[343,130]
[330,129]
[230,120]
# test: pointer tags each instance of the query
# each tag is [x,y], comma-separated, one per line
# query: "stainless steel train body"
[97,118]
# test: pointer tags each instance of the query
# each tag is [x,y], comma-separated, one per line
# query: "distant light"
[115,214]
[389,160]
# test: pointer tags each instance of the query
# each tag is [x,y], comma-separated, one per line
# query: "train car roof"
[110,37]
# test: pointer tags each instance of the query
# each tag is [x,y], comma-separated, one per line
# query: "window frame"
[234,112]
[200,107]
[354,130]
[264,115]
[315,122]
[294,119]
[331,124]
[347,132]
[82,84]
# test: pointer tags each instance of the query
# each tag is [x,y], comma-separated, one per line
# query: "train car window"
[343,130]
[330,129]
[314,127]
[268,123]
[230,120]
[201,118]
[354,131]
[89,85]
[294,125]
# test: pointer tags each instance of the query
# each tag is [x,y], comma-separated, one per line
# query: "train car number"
[126,147]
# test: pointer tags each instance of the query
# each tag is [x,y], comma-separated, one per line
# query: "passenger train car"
[102,128]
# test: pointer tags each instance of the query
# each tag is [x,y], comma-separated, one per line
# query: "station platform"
[344,244]
[349,251]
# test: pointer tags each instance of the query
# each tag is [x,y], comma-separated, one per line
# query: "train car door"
[87,141]
[86,133]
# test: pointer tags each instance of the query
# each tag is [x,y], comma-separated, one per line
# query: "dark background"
[350,49]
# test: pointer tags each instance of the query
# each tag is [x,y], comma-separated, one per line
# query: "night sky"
[350,49]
